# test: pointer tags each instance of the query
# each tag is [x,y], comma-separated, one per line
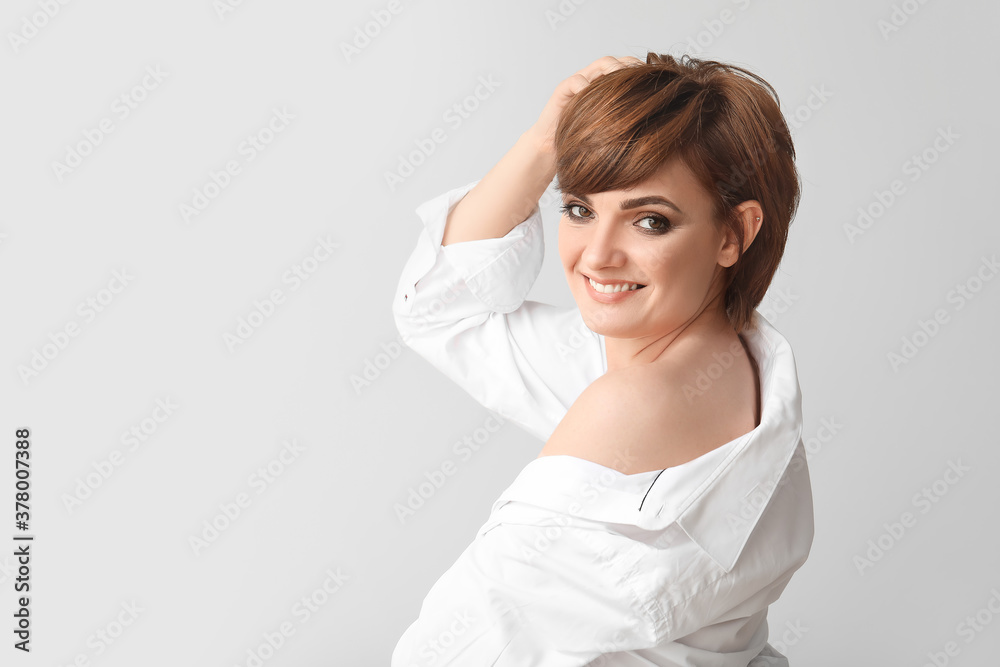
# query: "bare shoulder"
[626,420]
[649,417]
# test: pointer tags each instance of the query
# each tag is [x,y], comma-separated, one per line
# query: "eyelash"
[566,209]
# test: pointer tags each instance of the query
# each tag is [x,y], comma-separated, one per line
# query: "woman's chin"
[606,328]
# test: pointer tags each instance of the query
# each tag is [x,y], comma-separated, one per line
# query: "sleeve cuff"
[498,271]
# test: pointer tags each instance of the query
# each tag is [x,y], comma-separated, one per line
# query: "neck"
[710,321]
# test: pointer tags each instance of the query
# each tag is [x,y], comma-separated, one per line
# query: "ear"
[750,216]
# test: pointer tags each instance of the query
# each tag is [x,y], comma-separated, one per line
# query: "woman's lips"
[607,297]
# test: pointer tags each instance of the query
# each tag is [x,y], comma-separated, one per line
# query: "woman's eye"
[657,223]
[577,211]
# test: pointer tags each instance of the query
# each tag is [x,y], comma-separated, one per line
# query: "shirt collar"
[716,498]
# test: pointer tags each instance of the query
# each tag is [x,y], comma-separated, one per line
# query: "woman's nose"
[603,246]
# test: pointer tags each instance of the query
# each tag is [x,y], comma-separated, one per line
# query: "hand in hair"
[544,129]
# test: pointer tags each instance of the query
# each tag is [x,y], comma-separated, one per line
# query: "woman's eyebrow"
[637,202]
[627,204]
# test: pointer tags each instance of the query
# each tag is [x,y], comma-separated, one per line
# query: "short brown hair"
[723,121]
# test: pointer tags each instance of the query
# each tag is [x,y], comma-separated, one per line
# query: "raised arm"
[511,190]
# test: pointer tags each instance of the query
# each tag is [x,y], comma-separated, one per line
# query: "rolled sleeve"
[498,272]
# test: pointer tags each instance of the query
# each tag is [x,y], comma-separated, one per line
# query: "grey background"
[843,305]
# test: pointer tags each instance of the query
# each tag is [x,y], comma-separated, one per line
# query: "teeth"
[611,289]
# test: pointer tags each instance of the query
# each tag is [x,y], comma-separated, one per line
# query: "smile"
[613,287]
[611,292]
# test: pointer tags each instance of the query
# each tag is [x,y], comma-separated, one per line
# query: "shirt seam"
[661,632]
[648,606]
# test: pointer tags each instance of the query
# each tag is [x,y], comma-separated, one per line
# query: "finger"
[576,83]
[608,64]
[599,67]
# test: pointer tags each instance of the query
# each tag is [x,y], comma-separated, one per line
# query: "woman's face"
[660,234]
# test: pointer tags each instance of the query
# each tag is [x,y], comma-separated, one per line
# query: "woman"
[670,504]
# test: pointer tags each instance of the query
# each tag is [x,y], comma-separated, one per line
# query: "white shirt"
[579,563]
